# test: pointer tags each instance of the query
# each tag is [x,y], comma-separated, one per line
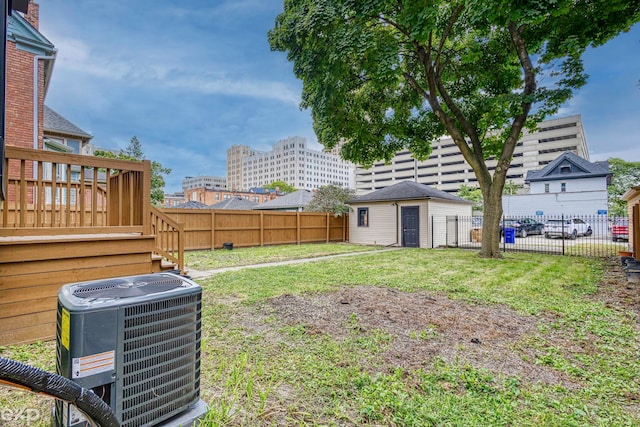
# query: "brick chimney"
[33,14]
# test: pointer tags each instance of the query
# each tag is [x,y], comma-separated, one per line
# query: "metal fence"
[597,235]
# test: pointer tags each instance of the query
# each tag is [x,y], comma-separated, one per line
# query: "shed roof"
[234,203]
[407,190]
[295,200]
[191,204]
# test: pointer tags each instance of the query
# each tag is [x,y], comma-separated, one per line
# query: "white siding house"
[406,214]
[569,185]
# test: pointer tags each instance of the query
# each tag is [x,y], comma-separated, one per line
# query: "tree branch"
[447,31]
[529,89]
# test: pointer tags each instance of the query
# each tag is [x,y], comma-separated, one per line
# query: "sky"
[191,78]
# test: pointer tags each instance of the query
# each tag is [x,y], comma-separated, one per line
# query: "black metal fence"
[597,235]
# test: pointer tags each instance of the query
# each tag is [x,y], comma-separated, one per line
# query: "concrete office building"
[209,182]
[446,169]
[293,162]
[235,154]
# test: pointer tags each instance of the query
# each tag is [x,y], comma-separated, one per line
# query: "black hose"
[59,387]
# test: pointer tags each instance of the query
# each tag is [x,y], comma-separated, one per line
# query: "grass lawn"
[412,337]
[208,260]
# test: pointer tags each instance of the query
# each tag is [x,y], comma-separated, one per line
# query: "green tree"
[472,194]
[331,198]
[624,176]
[133,151]
[511,188]
[385,75]
[280,185]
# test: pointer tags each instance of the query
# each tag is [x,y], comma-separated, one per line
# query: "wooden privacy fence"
[210,229]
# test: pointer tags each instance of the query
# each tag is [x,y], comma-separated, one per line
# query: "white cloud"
[155,68]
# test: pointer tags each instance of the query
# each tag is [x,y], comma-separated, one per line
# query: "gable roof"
[191,204]
[26,37]
[297,199]
[234,203]
[578,168]
[407,190]
[54,122]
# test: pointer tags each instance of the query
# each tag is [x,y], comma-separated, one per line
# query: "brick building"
[30,59]
[29,64]
[210,196]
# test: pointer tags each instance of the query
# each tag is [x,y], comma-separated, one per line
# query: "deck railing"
[47,189]
[50,193]
[169,237]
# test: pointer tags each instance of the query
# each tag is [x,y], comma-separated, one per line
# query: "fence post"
[432,238]
[328,231]
[562,237]
[298,227]
[213,229]
[457,232]
[261,228]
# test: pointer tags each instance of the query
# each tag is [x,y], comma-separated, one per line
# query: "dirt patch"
[423,327]
[616,291]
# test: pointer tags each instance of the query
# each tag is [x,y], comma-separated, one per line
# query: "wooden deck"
[70,218]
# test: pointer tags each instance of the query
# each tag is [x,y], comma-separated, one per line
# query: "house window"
[563,187]
[565,169]
[363,217]
[546,188]
[75,144]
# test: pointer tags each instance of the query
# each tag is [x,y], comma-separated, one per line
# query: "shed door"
[410,226]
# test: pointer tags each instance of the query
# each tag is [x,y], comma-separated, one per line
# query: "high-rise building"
[207,182]
[293,162]
[235,154]
[446,168]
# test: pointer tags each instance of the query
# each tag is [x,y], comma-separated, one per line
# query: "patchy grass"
[597,249]
[412,337]
[208,260]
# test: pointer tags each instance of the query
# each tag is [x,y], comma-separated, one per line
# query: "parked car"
[620,229]
[569,228]
[523,226]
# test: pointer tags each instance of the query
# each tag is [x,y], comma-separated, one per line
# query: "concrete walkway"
[203,274]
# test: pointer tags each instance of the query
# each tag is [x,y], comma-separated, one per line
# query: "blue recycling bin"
[509,235]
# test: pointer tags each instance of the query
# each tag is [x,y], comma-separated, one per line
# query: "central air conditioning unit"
[134,341]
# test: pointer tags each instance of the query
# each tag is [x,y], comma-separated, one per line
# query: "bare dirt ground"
[426,326]
[616,292]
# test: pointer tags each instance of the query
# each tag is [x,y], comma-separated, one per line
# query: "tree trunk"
[491,222]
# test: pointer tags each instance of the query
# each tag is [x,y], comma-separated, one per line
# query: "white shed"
[406,214]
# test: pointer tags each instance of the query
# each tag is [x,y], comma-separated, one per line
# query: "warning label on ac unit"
[65,324]
[93,364]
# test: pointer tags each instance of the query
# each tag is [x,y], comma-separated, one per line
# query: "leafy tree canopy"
[385,75]
[472,194]
[331,198]
[280,185]
[133,151]
[511,188]
[625,175]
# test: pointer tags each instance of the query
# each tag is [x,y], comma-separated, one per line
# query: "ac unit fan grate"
[161,358]
[128,287]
